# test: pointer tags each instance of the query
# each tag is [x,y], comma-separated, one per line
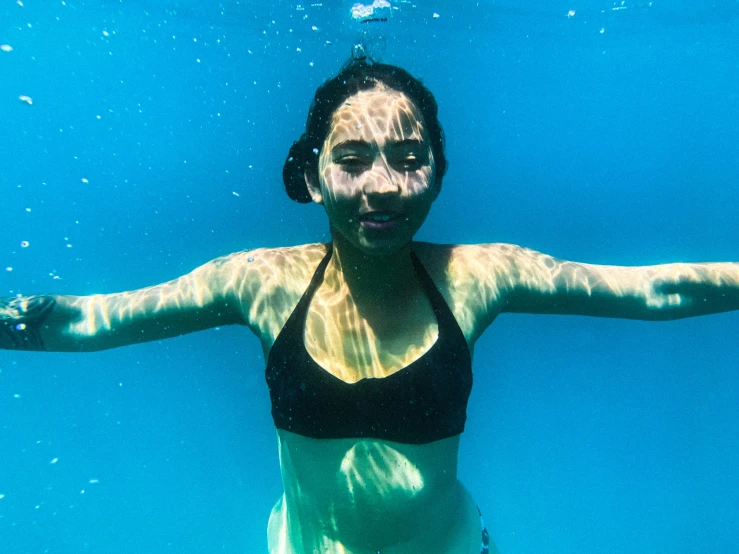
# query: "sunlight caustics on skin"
[376,117]
[659,292]
[366,491]
[338,335]
[341,339]
[377,470]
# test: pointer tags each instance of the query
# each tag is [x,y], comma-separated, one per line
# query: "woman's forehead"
[377,115]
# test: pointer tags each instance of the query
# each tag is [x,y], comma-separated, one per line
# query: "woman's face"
[376,171]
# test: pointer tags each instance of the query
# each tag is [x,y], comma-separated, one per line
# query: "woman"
[369,339]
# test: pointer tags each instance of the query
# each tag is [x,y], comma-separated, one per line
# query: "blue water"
[155,141]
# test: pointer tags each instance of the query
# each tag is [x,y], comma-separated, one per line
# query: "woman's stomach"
[369,492]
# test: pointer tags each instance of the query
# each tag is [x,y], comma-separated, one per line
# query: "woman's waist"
[365,474]
[358,489]
[363,520]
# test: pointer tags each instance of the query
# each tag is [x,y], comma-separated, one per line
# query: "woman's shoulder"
[282,252]
[471,278]
[279,267]
[269,282]
[457,259]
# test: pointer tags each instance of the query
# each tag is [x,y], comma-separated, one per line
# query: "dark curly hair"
[358,75]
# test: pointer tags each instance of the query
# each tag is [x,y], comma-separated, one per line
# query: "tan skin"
[371,318]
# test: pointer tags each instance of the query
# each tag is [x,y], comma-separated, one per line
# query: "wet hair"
[358,75]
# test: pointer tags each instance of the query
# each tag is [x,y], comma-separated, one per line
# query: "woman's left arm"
[541,284]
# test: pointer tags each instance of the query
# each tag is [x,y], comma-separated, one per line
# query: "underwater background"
[143,138]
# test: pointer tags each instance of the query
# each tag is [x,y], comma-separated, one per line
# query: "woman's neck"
[371,279]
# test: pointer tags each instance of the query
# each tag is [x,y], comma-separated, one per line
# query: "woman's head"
[359,75]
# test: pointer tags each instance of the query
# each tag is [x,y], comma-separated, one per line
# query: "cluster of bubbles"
[379,10]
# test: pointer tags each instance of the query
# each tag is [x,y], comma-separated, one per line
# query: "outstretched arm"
[543,284]
[524,281]
[209,296]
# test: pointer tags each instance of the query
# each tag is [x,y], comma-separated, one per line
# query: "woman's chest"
[352,343]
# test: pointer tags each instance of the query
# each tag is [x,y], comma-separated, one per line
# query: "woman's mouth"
[380,221]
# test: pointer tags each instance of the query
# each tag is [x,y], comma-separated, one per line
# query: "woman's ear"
[314,188]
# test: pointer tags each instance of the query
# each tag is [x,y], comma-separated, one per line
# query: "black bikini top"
[424,402]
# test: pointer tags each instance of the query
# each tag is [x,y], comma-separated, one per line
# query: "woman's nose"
[381,178]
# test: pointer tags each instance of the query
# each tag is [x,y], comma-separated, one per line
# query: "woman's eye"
[353,165]
[411,163]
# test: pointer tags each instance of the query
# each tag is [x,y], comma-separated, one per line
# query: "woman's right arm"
[212,295]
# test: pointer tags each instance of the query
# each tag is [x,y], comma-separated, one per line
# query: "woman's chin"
[386,247]
[370,242]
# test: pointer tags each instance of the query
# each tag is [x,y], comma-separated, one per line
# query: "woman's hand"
[21,320]
[696,289]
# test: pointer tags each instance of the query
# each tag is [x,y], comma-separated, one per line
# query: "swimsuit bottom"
[485,548]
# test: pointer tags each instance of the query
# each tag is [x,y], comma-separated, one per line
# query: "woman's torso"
[361,495]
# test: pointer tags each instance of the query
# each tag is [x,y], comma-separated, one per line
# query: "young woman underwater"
[369,339]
